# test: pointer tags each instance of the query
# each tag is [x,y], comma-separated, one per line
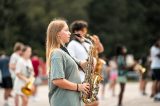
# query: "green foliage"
[133,23]
[26,20]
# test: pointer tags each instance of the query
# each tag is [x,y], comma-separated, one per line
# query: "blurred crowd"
[16,71]
[124,67]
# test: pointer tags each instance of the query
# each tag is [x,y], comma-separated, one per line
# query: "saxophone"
[92,75]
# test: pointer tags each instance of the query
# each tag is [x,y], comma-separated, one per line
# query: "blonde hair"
[52,41]
[18,46]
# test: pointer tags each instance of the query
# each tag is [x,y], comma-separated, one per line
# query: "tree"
[27,20]
[124,21]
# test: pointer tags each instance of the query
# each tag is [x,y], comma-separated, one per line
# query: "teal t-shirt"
[122,73]
[121,64]
[63,66]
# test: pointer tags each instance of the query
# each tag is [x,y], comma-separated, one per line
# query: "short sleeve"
[19,67]
[57,68]
[12,60]
[71,49]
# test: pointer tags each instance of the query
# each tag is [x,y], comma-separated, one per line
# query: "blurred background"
[133,23]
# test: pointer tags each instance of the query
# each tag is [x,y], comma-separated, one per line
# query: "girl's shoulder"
[57,53]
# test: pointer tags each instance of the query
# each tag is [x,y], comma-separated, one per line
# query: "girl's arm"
[65,84]
[22,77]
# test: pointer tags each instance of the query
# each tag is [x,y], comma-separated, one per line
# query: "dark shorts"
[7,82]
[156,74]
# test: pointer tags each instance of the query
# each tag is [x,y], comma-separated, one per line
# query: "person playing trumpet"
[24,71]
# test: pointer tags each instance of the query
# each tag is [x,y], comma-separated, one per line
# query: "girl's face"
[27,53]
[64,34]
[124,50]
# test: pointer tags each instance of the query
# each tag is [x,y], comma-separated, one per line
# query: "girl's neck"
[62,43]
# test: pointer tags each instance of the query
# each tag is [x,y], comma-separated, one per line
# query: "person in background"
[24,73]
[121,52]
[16,55]
[80,45]
[144,76]
[155,67]
[6,77]
[113,75]
[37,67]
[75,47]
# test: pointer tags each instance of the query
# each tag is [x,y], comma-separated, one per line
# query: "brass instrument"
[92,76]
[139,68]
[100,62]
[136,66]
[28,88]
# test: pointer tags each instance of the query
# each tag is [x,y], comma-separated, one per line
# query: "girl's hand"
[85,87]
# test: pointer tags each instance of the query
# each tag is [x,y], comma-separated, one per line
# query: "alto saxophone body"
[92,75]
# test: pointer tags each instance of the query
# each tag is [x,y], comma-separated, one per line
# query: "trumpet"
[28,88]
[131,63]
[139,68]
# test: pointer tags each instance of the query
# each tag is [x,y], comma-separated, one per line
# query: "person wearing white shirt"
[155,67]
[13,61]
[79,52]
[14,58]
[79,46]
[24,72]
